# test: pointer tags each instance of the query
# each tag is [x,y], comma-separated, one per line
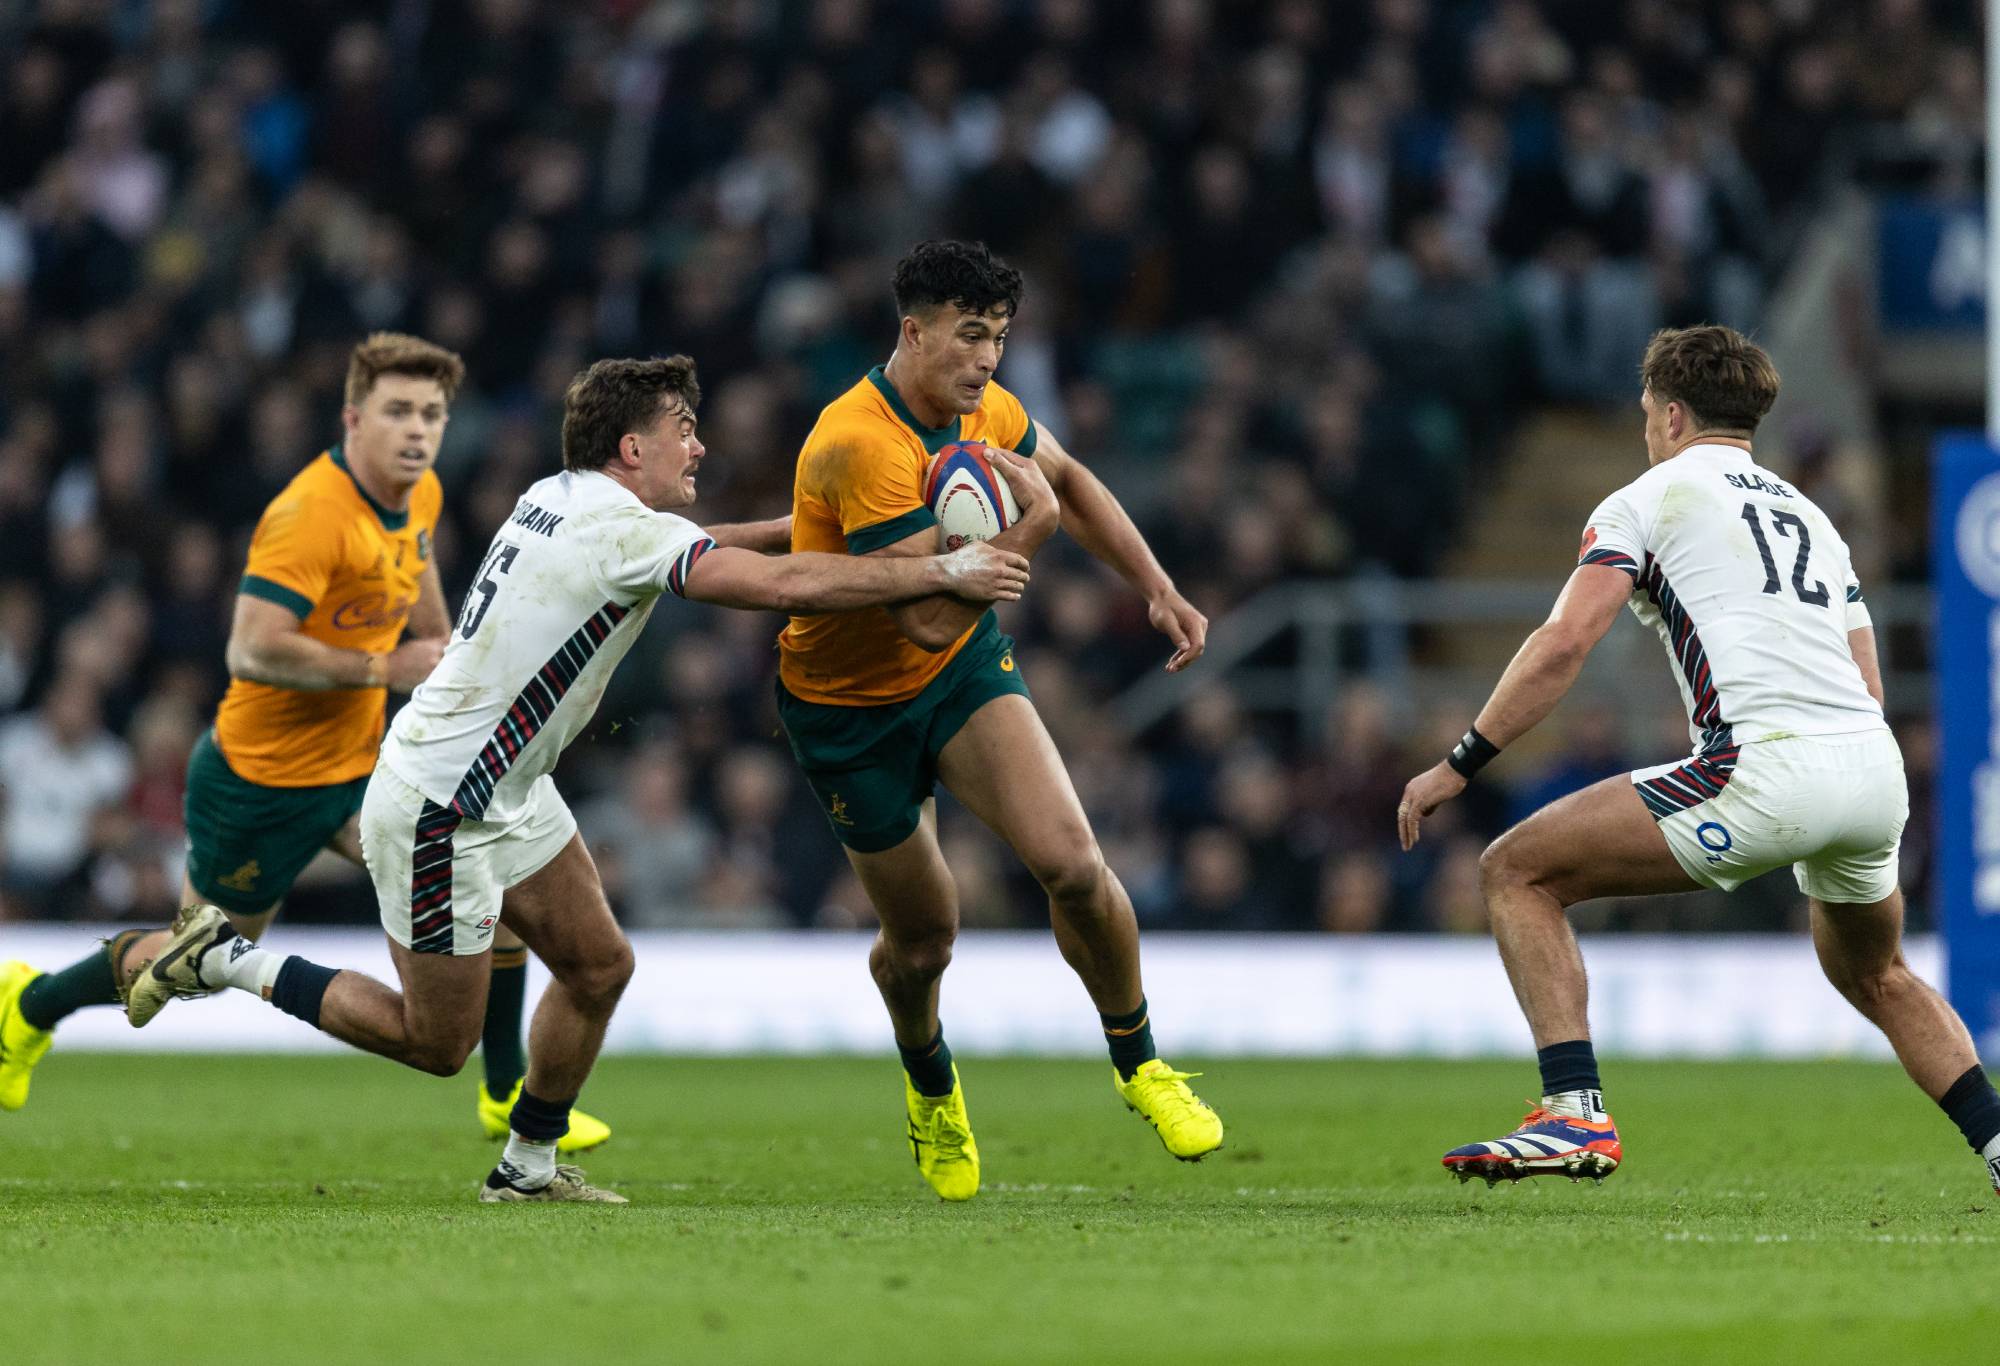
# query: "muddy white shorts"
[1832,806]
[438,877]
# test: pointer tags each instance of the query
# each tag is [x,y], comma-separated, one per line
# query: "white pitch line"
[1924,1239]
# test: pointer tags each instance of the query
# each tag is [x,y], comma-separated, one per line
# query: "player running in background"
[881,706]
[1752,592]
[462,822]
[340,570]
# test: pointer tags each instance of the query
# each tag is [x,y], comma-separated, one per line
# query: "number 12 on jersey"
[499,560]
[1781,519]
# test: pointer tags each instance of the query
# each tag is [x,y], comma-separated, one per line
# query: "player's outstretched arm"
[814,582]
[1100,524]
[1542,670]
[267,646]
[773,537]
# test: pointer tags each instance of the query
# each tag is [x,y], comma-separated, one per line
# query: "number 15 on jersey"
[498,561]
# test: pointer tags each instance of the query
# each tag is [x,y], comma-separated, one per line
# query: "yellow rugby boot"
[585,1131]
[1183,1120]
[941,1140]
[21,1044]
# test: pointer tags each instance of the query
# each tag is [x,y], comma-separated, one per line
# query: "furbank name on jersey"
[536,519]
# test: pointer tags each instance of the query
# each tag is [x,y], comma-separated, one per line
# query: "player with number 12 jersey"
[1754,595]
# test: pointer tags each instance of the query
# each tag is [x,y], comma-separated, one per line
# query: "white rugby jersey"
[564,590]
[1750,589]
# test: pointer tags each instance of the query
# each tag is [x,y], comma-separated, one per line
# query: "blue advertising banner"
[1965,541]
[1931,264]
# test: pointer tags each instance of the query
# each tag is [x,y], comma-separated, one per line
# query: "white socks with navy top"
[528,1165]
[1588,1104]
[241,964]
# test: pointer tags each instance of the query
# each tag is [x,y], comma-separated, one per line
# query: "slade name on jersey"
[1757,483]
[1750,589]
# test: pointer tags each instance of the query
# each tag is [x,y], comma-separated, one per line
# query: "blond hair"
[398,353]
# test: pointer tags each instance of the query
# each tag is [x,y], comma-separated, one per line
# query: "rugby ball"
[971,500]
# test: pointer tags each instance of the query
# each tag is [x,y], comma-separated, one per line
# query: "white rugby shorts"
[1832,806]
[439,877]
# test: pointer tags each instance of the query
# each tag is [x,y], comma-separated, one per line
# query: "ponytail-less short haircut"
[966,275]
[614,397]
[398,353]
[1724,380]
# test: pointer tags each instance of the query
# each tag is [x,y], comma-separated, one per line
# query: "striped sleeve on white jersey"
[1616,533]
[1857,606]
[643,554]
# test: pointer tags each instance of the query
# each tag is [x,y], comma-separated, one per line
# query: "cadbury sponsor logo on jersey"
[1757,483]
[536,519]
[371,610]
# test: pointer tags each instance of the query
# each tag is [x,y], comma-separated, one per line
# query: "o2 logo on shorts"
[1715,838]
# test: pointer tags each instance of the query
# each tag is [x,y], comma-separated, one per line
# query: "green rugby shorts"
[873,768]
[247,843]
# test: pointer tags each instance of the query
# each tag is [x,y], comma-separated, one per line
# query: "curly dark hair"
[966,275]
[614,397]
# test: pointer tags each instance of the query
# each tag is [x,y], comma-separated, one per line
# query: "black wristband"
[1473,753]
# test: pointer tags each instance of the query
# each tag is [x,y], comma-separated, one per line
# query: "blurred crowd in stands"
[1294,269]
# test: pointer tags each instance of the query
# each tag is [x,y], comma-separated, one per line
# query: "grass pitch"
[287,1210]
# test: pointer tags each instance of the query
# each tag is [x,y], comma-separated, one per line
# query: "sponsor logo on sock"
[1993,1166]
[521,1181]
[239,948]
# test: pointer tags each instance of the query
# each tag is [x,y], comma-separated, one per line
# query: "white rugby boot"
[568,1185]
[197,931]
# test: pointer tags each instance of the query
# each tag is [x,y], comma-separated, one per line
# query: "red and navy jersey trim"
[1688,651]
[430,879]
[1700,779]
[533,708]
[1614,559]
[687,560]
[1704,776]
